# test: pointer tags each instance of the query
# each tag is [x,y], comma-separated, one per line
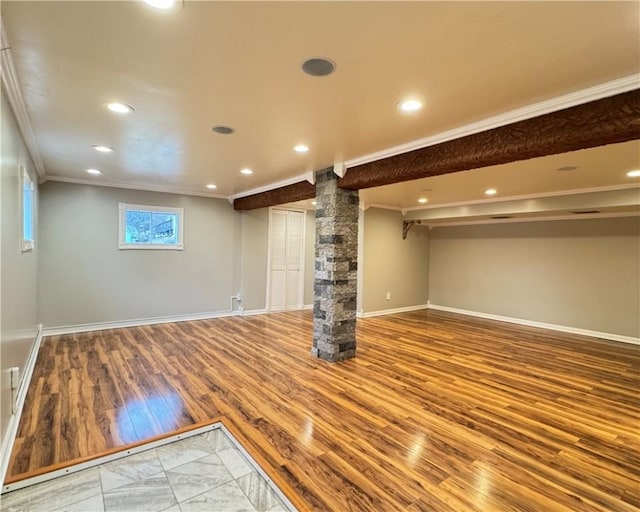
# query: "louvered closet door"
[286,287]
[278,259]
[295,226]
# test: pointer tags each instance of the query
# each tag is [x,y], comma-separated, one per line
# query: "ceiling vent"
[318,66]
[224,130]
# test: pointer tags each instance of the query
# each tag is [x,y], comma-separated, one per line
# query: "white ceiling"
[238,64]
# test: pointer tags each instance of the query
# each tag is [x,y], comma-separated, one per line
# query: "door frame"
[302,265]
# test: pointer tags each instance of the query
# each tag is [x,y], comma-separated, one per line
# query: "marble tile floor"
[203,473]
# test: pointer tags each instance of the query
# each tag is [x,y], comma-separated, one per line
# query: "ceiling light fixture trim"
[119,108]
[409,106]
[103,149]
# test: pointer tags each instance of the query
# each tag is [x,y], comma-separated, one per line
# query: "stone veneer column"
[335,288]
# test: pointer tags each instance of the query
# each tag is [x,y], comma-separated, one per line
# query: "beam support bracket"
[406,226]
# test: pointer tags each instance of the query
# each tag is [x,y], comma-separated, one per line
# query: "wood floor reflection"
[438,412]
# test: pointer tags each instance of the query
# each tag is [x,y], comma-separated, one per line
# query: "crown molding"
[554,193]
[135,186]
[621,85]
[277,184]
[385,207]
[11,86]
[537,218]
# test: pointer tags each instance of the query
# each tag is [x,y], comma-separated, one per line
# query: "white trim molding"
[555,193]
[271,186]
[537,218]
[14,420]
[541,325]
[139,322]
[254,312]
[101,326]
[12,87]
[406,309]
[621,85]
[136,186]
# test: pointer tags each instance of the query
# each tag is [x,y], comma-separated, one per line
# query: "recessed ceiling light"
[634,174]
[223,130]
[95,172]
[567,168]
[119,108]
[318,66]
[301,148]
[491,191]
[211,186]
[314,203]
[423,200]
[103,149]
[161,4]
[246,172]
[410,105]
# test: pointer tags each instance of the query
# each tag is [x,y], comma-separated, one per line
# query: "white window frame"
[26,182]
[124,207]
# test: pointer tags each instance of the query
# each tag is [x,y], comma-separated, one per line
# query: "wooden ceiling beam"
[287,194]
[597,123]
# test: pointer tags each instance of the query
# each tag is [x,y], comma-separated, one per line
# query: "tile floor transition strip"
[205,469]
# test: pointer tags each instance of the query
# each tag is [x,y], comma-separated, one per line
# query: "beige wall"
[84,278]
[255,240]
[18,279]
[392,264]
[580,273]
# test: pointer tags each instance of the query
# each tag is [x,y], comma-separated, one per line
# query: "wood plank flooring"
[438,412]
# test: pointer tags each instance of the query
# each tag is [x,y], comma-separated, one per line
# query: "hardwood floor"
[438,412]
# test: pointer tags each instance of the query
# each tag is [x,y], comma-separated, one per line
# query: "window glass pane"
[138,227]
[163,228]
[27,212]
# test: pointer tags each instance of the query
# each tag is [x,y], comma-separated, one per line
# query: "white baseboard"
[381,312]
[14,419]
[252,312]
[542,325]
[101,326]
[307,306]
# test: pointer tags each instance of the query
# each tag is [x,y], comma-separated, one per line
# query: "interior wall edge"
[542,325]
[14,419]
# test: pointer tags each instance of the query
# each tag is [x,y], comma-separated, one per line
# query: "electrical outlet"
[239,297]
[388,296]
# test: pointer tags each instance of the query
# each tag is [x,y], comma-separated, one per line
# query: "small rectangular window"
[150,227]
[28,210]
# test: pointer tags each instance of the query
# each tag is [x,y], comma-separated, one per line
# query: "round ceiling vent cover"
[224,130]
[318,66]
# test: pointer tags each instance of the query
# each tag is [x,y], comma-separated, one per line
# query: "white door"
[286,260]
